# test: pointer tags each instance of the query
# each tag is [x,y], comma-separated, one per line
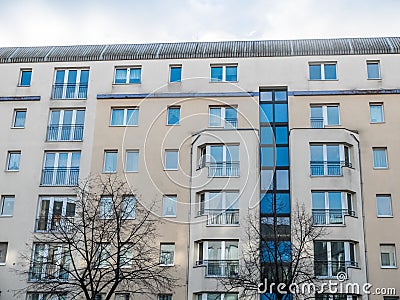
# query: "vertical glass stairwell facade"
[275,185]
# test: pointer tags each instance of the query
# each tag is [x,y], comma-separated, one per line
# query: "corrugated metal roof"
[268,48]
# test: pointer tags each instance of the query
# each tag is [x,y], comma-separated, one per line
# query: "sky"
[77,22]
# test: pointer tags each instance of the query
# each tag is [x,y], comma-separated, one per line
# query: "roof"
[187,50]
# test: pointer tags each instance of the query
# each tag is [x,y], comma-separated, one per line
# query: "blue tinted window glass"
[282,156]
[26,78]
[267,204]
[330,71]
[173,115]
[282,179]
[315,72]
[132,117]
[135,75]
[266,113]
[175,74]
[231,73]
[373,70]
[266,135]
[216,73]
[282,203]
[265,96]
[281,135]
[267,156]
[333,115]
[280,96]
[120,76]
[84,79]
[271,254]
[284,251]
[281,114]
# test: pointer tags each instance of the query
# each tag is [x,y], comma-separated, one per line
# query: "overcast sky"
[71,22]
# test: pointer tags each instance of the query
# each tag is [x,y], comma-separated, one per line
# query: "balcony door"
[66,125]
[61,168]
[70,84]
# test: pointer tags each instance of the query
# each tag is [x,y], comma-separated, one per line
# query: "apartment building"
[209,132]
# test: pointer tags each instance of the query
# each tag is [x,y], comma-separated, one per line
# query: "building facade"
[210,132]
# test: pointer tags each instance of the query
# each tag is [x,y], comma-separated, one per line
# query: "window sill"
[388,267]
[385,217]
[171,216]
[323,79]
[383,122]
[383,168]
[171,169]
[5,216]
[11,171]
[375,79]
[162,265]
[175,82]
[17,127]
[129,172]
[23,86]
[123,125]
[123,84]
[109,172]
[173,124]
[223,81]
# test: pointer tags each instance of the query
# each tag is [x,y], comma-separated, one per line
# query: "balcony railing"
[224,169]
[220,268]
[330,216]
[47,272]
[328,168]
[60,176]
[69,91]
[221,216]
[317,122]
[65,132]
[230,123]
[54,224]
[323,268]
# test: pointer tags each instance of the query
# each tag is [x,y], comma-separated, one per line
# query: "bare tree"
[107,246]
[276,251]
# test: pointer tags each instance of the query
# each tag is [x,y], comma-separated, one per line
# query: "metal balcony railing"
[323,268]
[317,122]
[230,123]
[60,176]
[54,224]
[47,272]
[221,216]
[220,268]
[224,169]
[328,168]
[69,91]
[65,132]
[330,216]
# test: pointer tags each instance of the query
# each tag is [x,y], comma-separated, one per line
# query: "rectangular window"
[384,206]
[70,84]
[19,118]
[174,113]
[106,207]
[3,252]
[322,71]
[126,258]
[55,213]
[131,75]
[324,115]
[124,296]
[110,161]
[46,296]
[169,206]
[167,254]
[388,256]
[128,207]
[221,208]
[217,296]
[61,168]
[171,160]
[222,116]
[132,161]
[103,254]
[328,159]
[13,159]
[224,73]
[376,113]
[7,205]
[164,297]
[66,125]
[380,158]
[175,73]
[221,160]
[25,78]
[373,70]
[331,207]
[124,116]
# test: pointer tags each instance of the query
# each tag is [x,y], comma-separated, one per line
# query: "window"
[380,158]
[331,207]
[13,159]
[103,255]
[328,159]
[221,160]
[128,207]
[167,254]
[221,208]
[174,113]
[19,118]
[171,160]
[7,206]
[376,113]
[128,75]
[25,78]
[227,73]
[126,257]
[125,116]
[61,168]
[46,296]
[110,161]
[322,71]
[124,296]
[217,296]
[106,207]
[388,256]
[164,297]
[55,213]
[70,84]
[66,125]
[175,73]
[169,206]
[324,115]
[373,70]
[384,206]
[132,161]
[3,252]
[222,116]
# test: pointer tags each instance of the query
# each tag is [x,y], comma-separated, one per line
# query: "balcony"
[220,268]
[47,272]
[69,91]
[221,216]
[224,169]
[328,168]
[323,268]
[54,224]
[230,123]
[317,122]
[330,216]
[57,133]
[60,176]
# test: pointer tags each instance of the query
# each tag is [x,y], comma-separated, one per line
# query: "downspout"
[363,209]
[190,214]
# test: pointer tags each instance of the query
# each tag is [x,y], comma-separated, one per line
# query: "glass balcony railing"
[328,168]
[221,216]
[60,176]
[323,268]
[69,91]
[330,216]
[65,133]
[220,268]
[224,169]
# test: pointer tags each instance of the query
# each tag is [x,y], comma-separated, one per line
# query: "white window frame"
[64,199]
[325,113]
[57,160]
[166,199]
[17,110]
[223,122]
[125,120]
[179,120]
[3,263]
[218,218]
[322,64]
[394,266]
[383,112]
[342,156]
[127,255]
[3,201]
[132,214]
[61,122]
[9,154]
[387,159]
[173,257]
[103,262]
[203,296]
[165,160]
[77,82]
[377,62]
[170,72]
[105,161]
[106,207]
[20,77]
[390,204]
[126,161]
[128,74]
[224,72]
[344,205]
[222,253]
